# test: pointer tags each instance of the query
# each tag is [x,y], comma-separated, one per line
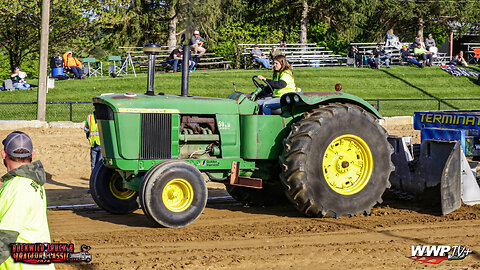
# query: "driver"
[283,82]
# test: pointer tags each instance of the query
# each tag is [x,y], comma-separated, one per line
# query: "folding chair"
[117,66]
[92,67]
[476,55]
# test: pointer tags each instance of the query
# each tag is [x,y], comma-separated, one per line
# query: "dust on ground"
[230,236]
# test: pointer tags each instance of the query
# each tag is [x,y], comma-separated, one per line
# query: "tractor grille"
[156,136]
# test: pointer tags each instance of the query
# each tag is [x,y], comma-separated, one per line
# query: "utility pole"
[42,75]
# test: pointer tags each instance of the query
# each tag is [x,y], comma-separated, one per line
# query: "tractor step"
[235,180]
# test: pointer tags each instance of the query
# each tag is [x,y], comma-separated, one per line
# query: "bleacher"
[140,59]
[298,54]
[367,48]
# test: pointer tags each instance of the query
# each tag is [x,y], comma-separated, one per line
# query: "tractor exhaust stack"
[185,70]
[151,50]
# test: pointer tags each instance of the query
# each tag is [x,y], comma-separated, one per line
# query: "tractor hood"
[317,98]
[141,103]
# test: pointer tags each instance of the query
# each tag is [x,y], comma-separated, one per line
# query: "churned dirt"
[230,236]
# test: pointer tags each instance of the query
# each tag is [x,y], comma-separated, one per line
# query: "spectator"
[391,40]
[73,64]
[176,56]
[259,56]
[409,57]
[23,201]
[462,59]
[196,43]
[93,137]
[430,42]
[18,79]
[356,55]
[371,61]
[274,52]
[458,60]
[423,54]
[283,82]
[418,40]
[380,55]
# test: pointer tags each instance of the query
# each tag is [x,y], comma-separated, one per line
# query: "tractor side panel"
[128,134]
[262,136]
[229,128]
[108,139]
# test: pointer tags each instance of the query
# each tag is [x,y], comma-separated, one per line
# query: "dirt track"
[229,236]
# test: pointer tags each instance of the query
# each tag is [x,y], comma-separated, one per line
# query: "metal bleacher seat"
[116,66]
[92,67]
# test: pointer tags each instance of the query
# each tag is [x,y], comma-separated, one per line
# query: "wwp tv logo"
[437,254]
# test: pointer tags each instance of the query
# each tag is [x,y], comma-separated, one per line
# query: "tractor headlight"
[296,98]
[288,100]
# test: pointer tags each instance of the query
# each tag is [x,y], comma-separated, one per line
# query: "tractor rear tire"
[107,191]
[173,193]
[336,162]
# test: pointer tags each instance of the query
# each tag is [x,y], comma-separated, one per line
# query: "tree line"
[96,28]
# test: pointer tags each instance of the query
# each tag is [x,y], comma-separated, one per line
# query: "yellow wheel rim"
[347,164]
[117,189]
[177,195]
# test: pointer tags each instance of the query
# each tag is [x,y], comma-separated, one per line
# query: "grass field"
[395,83]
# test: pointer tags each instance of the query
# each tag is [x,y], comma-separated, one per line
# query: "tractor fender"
[298,100]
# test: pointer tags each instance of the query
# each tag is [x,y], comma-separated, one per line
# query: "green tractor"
[324,150]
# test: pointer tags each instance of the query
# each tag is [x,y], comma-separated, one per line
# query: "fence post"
[71,111]
[378,104]
[439,103]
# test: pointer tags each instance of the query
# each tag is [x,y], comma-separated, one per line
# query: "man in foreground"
[23,202]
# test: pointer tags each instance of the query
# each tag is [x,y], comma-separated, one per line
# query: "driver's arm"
[276,84]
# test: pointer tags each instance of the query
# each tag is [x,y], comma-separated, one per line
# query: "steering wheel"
[260,87]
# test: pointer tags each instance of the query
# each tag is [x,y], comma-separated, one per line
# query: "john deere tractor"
[323,151]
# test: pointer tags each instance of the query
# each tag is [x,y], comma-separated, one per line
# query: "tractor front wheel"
[173,193]
[336,161]
[108,192]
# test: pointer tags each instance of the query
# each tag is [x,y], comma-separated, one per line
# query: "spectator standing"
[283,82]
[259,56]
[196,43]
[18,79]
[380,55]
[356,55]
[73,64]
[409,57]
[423,54]
[176,56]
[23,201]
[93,137]
[274,52]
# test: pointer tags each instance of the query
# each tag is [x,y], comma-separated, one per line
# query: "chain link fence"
[56,111]
[78,111]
